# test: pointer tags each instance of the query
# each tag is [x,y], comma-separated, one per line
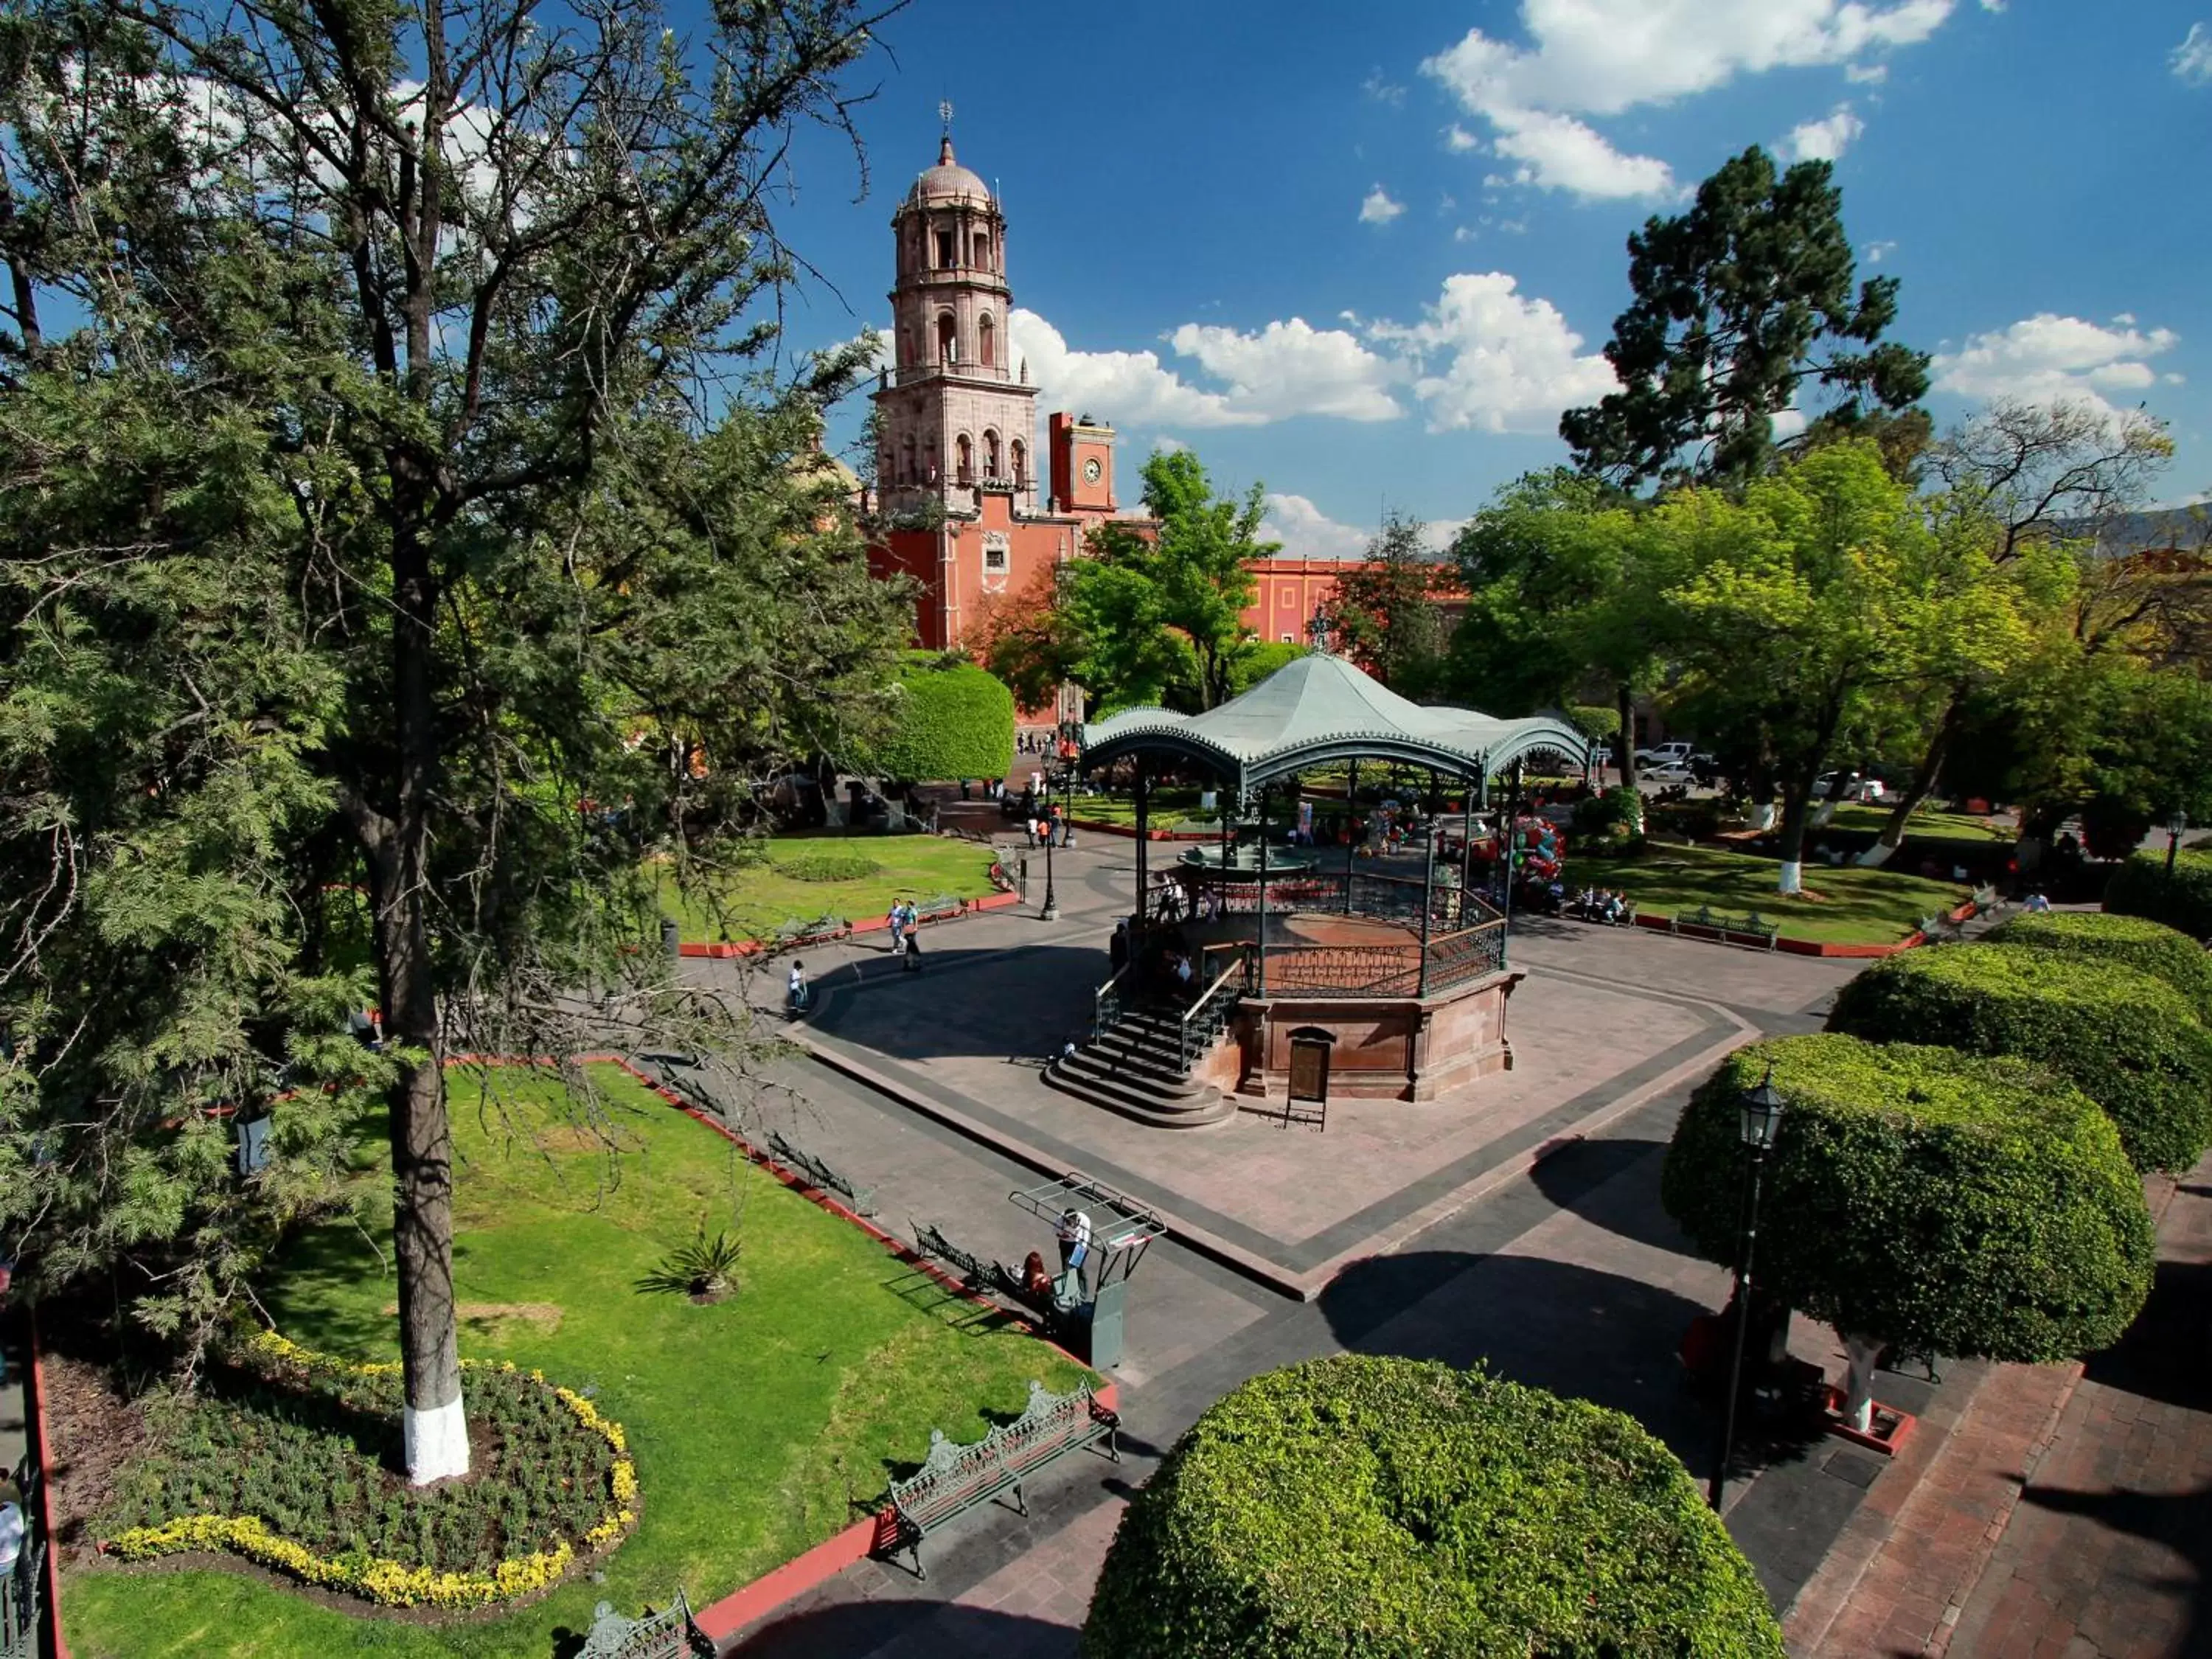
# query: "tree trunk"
[1624,699]
[436,1433]
[1922,784]
[1858,1386]
[1796,804]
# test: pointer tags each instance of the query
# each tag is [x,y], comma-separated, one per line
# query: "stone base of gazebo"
[1386,1048]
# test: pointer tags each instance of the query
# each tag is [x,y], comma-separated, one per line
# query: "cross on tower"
[944,114]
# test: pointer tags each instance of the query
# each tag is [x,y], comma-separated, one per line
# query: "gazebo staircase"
[1136,1066]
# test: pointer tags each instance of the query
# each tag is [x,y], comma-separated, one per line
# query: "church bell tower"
[957,416]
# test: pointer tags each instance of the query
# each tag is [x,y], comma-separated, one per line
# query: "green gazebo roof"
[1321,709]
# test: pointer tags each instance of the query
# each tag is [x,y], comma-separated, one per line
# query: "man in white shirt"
[1074,1234]
[13,1528]
[796,989]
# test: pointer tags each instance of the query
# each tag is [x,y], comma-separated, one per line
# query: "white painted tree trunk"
[1823,815]
[1858,1387]
[1793,876]
[1875,856]
[437,1442]
[1763,819]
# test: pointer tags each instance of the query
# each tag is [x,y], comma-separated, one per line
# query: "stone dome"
[948,180]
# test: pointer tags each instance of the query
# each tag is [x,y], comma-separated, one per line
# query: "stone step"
[1167,1081]
[1202,1111]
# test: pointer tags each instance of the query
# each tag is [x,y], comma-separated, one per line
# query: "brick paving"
[2066,1511]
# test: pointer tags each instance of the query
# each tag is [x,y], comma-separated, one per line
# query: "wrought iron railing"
[1209,1011]
[1459,958]
[1106,1005]
[21,1585]
[1344,970]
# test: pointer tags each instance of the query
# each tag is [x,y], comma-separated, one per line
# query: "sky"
[1364,255]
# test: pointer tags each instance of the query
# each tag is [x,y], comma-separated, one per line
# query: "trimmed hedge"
[2149,947]
[2131,1043]
[1951,1203]
[2141,887]
[1396,1509]
[951,719]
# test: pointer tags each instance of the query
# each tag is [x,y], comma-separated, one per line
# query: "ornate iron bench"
[941,907]
[974,1272]
[824,1177]
[1750,925]
[816,932]
[955,1479]
[671,1633]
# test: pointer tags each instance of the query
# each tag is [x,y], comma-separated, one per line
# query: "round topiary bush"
[1382,1507]
[2131,1043]
[2141,887]
[1951,1203]
[2137,942]
[949,718]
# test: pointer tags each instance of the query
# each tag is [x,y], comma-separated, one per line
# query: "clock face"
[1090,470]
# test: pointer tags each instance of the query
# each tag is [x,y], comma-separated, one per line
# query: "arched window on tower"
[947,249]
[948,338]
[982,251]
[985,332]
[905,461]
[963,461]
[991,456]
[1021,456]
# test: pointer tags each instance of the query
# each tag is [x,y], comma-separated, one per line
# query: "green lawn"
[753,902]
[1843,906]
[1927,824]
[760,1426]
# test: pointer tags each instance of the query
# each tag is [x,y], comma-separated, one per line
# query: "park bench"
[671,1633]
[1942,929]
[821,1176]
[1750,925]
[816,932]
[973,1271]
[955,1479]
[941,907]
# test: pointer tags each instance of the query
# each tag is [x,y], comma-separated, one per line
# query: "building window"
[905,461]
[948,338]
[991,453]
[995,560]
[983,352]
[983,251]
[1290,639]
[963,461]
[947,245]
[1021,465]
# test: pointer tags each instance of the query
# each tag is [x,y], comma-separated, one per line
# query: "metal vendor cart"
[1095,1295]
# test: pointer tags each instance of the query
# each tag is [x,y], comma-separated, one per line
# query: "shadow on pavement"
[1578,1331]
[2181,1523]
[1012,1005]
[1580,1178]
[2163,1355]
[909,1629]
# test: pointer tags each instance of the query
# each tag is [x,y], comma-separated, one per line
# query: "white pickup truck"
[1665,755]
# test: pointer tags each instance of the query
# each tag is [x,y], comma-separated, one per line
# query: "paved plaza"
[1515,1226]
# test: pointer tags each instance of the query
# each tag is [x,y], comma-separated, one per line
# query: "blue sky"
[1367,253]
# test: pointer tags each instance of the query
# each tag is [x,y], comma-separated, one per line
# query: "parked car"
[1856,787]
[1665,754]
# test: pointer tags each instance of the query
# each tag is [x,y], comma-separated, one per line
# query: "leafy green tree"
[1947,1203]
[948,719]
[1824,590]
[1743,305]
[1387,619]
[1395,1508]
[359,533]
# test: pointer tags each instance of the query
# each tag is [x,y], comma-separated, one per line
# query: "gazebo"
[1405,975]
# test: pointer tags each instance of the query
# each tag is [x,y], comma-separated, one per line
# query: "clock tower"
[1082,465]
[956,414]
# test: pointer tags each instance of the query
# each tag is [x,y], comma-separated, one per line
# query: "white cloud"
[1130,387]
[1557,152]
[1877,252]
[1165,445]
[1382,91]
[2192,59]
[1292,368]
[1600,57]
[1377,208]
[1486,357]
[1458,140]
[1307,533]
[1868,75]
[1823,140]
[2047,358]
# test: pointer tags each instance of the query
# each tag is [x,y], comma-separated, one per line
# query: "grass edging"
[778,1587]
[753,947]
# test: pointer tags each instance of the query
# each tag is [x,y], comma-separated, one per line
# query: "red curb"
[53,1576]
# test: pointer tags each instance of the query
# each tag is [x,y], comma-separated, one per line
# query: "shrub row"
[1956,1203]
[2149,947]
[1360,1505]
[2142,887]
[2132,1043]
[288,1463]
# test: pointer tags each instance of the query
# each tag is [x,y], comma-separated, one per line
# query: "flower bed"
[289,1462]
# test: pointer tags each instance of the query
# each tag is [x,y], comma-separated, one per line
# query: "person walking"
[1117,945]
[913,964]
[795,990]
[1074,1235]
[1028,829]
[896,920]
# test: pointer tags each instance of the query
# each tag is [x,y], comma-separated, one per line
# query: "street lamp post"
[1051,911]
[2174,827]
[1762,1119]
